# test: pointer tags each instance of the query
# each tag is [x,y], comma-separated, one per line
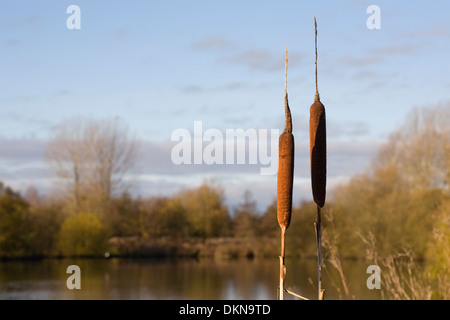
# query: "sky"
[160,66]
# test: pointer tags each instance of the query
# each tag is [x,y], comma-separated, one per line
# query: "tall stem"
[287,111]
[317,98]
[282,266]
[319,253]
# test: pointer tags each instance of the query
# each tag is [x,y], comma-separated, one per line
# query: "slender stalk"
[318,225]
[287,111]
[317,98]
[282,266]
[296,295]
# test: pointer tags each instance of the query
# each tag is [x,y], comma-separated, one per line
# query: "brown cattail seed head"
[318,151]
[285,164]
[285,178]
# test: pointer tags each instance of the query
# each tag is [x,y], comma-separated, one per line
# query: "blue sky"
[161,65]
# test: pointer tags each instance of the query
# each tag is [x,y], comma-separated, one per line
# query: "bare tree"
[92,158]
[420,149]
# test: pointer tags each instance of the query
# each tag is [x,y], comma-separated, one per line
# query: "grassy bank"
[223,247]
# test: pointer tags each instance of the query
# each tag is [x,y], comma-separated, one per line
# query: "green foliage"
[123,219]
[82,235]
[246,222]
[205,211]
[399,199]
[163,217]
[268,224]
[47,219]
[381,205]
[438,253]
[15,225]
[300,237]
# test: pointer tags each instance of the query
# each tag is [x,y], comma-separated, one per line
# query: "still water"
[184,279]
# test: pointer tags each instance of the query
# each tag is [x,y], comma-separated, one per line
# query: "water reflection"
[255,279]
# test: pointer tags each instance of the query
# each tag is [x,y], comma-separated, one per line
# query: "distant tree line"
[403,201]
[37,226]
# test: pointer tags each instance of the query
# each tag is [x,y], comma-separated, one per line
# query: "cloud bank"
[23,164]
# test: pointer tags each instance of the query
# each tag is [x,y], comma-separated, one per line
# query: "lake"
[180,279]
